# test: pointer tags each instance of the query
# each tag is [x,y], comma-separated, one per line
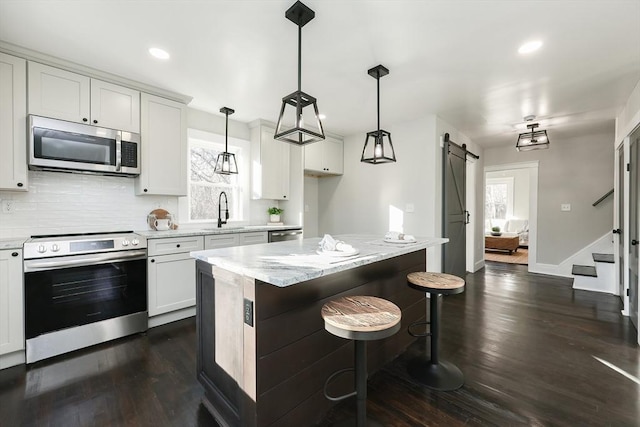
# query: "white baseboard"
[550,269]
[13,359]
[173,316]
[479,265]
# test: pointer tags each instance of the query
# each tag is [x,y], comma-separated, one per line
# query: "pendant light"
[534,139]
[226,161]
[378,147]
[299,122]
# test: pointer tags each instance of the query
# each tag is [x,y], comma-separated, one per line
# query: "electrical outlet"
[409,208]
[7,206]
[565,207]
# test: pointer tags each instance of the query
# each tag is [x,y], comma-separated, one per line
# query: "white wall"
[311,206]
[361,200]
[577,171]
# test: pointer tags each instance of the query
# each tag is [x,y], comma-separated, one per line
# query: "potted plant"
[495,231]
[274,214]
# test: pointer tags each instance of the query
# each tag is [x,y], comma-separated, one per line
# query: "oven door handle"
[32,265]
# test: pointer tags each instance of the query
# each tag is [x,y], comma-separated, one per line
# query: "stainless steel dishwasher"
[282,235]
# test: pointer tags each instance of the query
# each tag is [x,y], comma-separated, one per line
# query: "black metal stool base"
[353,422]
[441,376]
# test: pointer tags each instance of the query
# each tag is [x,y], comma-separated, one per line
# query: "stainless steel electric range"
[83,289]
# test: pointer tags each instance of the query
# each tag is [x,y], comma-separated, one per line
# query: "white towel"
[328,244]
[394,235]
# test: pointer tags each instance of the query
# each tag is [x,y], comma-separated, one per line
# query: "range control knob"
[55,247]
[135,242]
[125,242]
[42,249]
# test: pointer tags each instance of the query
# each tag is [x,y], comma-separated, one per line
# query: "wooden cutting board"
[159,214]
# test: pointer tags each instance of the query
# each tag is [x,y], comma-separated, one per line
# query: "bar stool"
[362,319]
[434,373]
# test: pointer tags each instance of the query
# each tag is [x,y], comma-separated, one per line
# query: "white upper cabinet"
[13,123]
[269,165]
[163,147]
[324,157]
[69,96]
[115,107]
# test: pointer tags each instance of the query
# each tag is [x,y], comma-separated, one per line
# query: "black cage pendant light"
[299,121]
[226,161]
[378,147]
[534,139]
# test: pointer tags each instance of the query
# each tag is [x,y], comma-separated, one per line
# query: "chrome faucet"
[226,210]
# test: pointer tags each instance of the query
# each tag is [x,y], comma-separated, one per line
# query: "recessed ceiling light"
[529,47]
[322,116]
[159,53]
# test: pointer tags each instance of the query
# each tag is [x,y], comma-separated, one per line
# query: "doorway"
[508,210]
[634,234]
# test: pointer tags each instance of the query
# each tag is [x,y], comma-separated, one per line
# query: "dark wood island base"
[263,352]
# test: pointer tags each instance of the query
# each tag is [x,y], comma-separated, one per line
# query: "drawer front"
[174,245]
[253,238]
[215,241]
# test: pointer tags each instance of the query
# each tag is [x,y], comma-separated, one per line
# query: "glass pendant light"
[378,147]
[226,161]
[299,122]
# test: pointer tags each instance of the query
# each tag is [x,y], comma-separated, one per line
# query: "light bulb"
[377,151]
[225,166]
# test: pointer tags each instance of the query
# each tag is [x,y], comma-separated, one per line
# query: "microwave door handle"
[118,151]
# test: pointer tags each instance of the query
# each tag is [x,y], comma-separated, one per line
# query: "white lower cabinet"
[171,278]
[253,238]
[11,308]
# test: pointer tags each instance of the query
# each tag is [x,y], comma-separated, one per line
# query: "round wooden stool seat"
[432,372]
[362,318]
[436,283]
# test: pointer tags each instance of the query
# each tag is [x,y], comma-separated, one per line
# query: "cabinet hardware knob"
[178,245]
[616,231]
[20,184]
[14,254]
[153,260]
[95,121]
[145,190]
[84,119]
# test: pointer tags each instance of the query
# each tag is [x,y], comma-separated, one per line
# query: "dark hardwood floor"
[526,343]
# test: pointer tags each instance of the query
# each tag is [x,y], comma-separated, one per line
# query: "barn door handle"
[466,221]
[616,231]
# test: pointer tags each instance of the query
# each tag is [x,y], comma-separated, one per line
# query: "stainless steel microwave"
[59,145]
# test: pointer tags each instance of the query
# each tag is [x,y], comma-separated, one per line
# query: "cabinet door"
[115,107]
[333,156]
[11,302]
[313,154]
[216,241]
[253,238]
[274,159]
[172,283]
[58,93]
[13,123]
[163,134]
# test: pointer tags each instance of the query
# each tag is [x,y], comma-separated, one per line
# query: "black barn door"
[454,215]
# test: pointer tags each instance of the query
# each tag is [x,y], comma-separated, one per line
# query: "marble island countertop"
[287,263]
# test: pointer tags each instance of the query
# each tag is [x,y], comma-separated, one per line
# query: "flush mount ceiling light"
[159,53]
[299,122]
[534,139]
[378,147]
[226,161]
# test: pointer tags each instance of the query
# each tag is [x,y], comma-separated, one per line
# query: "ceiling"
[452,58]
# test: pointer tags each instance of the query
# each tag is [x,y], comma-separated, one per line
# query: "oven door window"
[67,297]
[73,147]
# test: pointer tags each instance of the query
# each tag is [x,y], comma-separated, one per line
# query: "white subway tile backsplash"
[59,203]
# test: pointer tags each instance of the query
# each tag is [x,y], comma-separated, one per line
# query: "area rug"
[521,256]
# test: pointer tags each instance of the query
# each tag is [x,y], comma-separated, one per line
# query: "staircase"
[599,277]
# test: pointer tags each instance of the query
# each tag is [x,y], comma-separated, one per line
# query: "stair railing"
[597,202]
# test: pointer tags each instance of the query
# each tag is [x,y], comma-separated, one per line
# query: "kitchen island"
[263,353]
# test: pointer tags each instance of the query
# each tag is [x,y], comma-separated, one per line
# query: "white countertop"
[286,263]
[12,243]
[180,232]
